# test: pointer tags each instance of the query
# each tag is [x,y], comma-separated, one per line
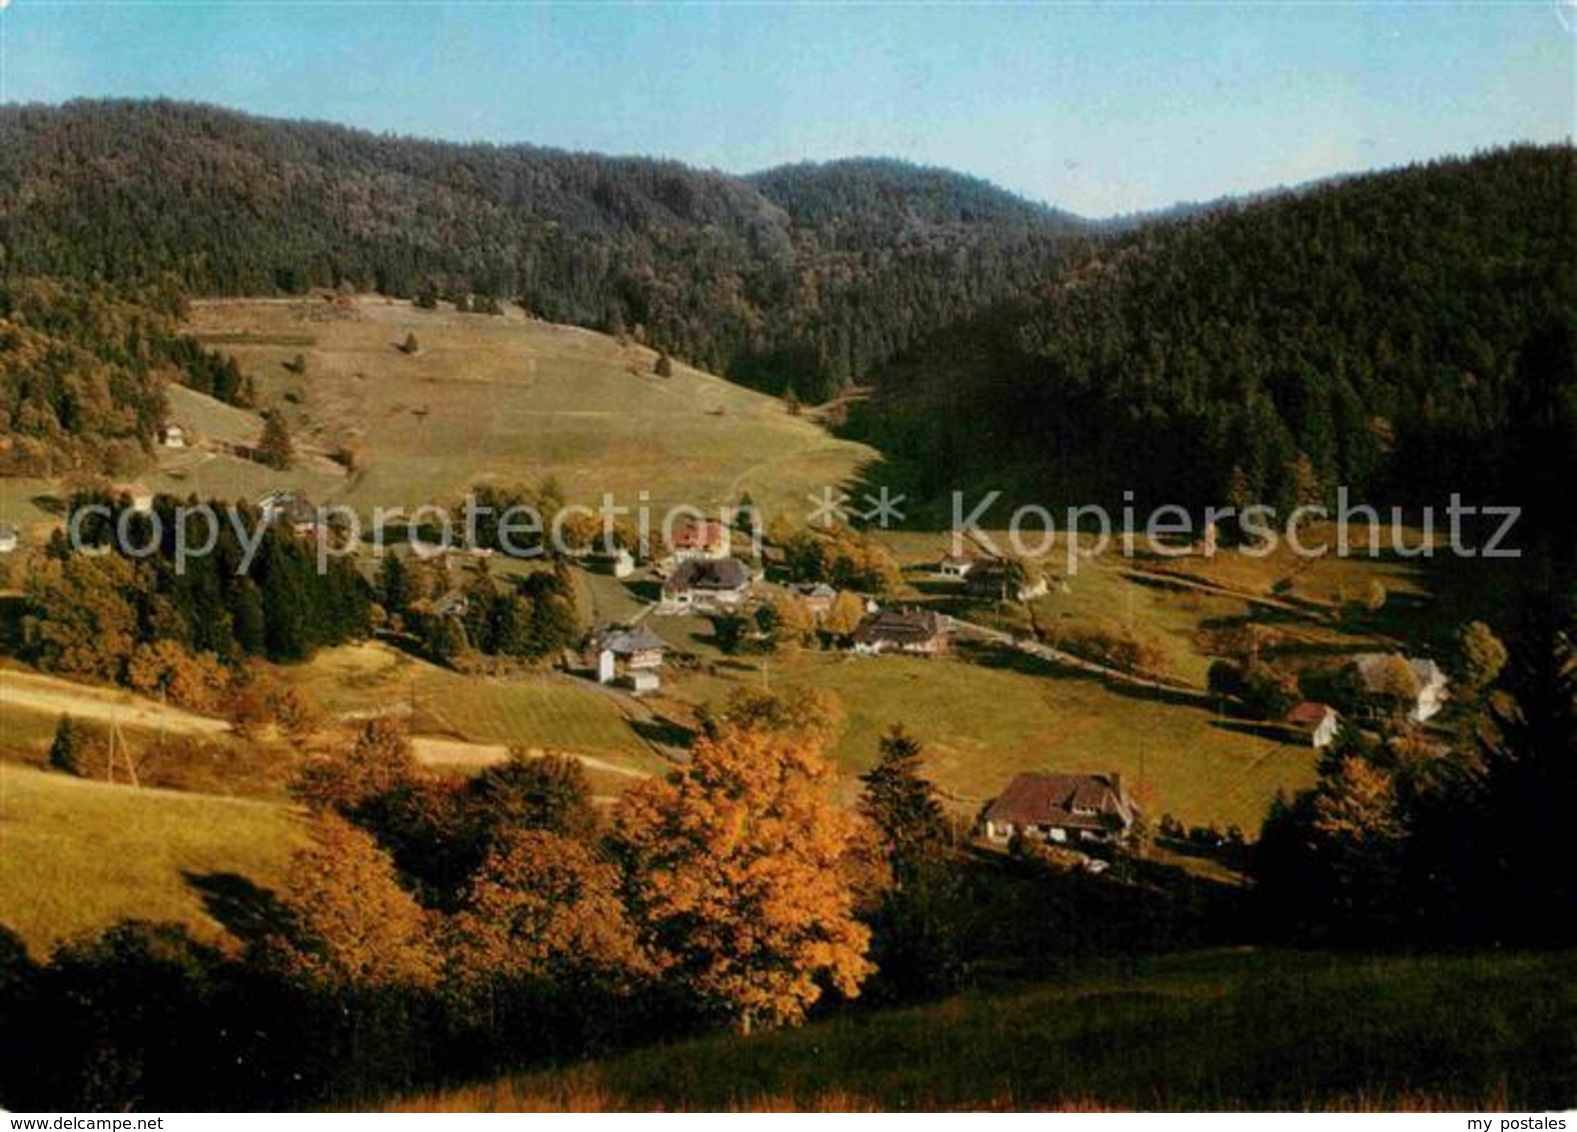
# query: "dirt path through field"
[105,705]
[52,696]
[462,755]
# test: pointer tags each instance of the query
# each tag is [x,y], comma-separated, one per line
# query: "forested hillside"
[83,369]
[809,275]
[1395,333]
[1406,334]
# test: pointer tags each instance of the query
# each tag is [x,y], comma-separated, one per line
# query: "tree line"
[436,927]
[1415,838]
[1403,334]
[99,612]
[807,275]
[83,368]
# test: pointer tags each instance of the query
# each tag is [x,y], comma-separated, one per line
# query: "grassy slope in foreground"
[77,854]
[1238,1030]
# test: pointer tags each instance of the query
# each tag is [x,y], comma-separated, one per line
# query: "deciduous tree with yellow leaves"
[351,924]
[737,876]
[544,906]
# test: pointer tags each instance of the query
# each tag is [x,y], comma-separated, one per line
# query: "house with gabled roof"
[616,651]
[815,597]
[1318,722]
[955,566]
[995,580]
[1373,669]
[1062,808]
[700,538]
[914,632]
[706,585]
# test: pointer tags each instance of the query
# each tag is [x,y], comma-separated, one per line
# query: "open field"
[1222,1030]
[542,710]
[985,719]
[506,399]
[26,691]
[77,855]
[20,500]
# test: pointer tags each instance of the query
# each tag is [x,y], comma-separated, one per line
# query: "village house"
[632,653]
[172,435]
[914,632]
[993,580]
[706,585]
[815,597]
[10,539]
[700,539]
[1062,808]
[291,510]
[955,566]
[1318,722]
[1372,669]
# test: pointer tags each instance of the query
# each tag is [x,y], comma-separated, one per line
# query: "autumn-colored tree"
[1357,823]
[79,622]
[547,792]
[579,531]
[736,877]
[1480,657]
[1392,685]
[351,924]
[793,623]
[163,668]
[813,714]
[543,906]
[847,611]
[376,763]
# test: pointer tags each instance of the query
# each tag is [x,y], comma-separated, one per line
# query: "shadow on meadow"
[247,911]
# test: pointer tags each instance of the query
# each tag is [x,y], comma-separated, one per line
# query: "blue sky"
[1098,109]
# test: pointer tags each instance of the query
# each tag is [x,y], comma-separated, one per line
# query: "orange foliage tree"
[351,923]
[543,906]
[737,876]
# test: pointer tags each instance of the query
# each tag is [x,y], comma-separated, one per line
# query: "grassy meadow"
[506,399]
[77,854]
[1228,1030]
[985,719]
[542,710]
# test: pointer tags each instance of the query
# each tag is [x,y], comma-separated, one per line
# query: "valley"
[508,400]
[778,792]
